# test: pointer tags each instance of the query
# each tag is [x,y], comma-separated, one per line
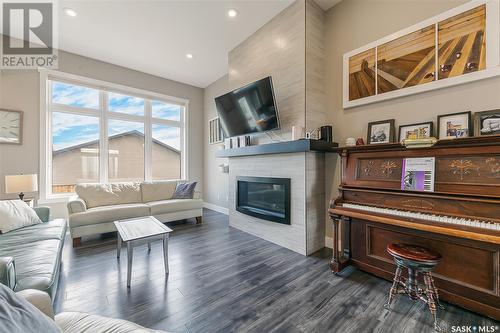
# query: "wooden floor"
[224,280]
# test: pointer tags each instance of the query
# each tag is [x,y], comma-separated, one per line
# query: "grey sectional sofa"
[30,257]
[97,206]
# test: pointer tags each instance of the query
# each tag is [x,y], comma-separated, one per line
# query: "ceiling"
[327,4]
[154,36]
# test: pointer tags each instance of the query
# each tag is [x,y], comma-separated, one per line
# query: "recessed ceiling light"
[189,56]
[70,12]
[232,13]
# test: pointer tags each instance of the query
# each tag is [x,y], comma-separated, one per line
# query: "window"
[126,151]
[75,141]
[100,132]
[166,147]
[126,104]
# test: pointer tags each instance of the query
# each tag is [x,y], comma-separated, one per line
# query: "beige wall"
[20,91]
[216,183]
[354,23]
[316,112]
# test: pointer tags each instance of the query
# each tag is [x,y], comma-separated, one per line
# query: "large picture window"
[98,134]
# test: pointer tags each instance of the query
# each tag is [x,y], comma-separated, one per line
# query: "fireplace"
[265,198]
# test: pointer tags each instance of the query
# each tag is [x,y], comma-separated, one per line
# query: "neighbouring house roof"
[116,136]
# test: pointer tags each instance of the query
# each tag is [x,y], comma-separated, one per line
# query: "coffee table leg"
[165,252]
[130,254]
[119,246]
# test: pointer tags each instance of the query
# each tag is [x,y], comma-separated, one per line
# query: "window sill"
[55,200]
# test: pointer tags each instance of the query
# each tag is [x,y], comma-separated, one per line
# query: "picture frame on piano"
[487,122]
[382,131]
[454,125]
[416,131]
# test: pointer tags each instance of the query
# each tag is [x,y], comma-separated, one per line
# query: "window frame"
[104,115]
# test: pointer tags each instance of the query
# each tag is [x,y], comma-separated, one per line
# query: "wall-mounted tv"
[249,109]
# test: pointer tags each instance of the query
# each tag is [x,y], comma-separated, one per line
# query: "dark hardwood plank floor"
[224,280]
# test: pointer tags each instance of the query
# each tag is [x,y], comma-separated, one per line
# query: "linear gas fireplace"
[265,198]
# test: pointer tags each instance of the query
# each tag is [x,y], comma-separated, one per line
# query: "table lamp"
[20,184]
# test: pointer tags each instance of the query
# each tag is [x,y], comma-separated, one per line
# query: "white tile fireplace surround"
[306,232]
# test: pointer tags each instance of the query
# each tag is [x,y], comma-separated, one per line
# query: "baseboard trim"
[219,209]
[329,242]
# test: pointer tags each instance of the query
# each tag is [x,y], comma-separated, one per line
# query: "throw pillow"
[15,214]
[19,315]
[184,191]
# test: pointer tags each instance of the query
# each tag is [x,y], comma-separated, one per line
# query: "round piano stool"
[417,260]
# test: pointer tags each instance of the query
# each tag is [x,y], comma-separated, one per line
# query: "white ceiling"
[327,4]
[154,36]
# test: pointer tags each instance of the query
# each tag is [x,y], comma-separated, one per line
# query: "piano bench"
[417,260]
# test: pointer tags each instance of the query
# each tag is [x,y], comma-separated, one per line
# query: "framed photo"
[11,126]
[381,131]
[215,134]
[487,122]
[455,125]
[416,131]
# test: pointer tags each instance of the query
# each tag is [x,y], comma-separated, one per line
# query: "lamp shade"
[21,183]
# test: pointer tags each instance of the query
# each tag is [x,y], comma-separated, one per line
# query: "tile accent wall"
[305,234]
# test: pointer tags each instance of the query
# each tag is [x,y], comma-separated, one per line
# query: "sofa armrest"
[8,272]
[39,299]
[43,213]
[76,205]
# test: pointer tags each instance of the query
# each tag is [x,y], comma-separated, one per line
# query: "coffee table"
[138,231]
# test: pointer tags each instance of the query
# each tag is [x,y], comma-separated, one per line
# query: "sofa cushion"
[184,191]
[37,254]
[15,214]
[19,315]
[84,322]
[96,195]
[55,229]
[174,205]
[157,190]
[108,214]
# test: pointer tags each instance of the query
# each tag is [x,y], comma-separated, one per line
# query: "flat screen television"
[249,109]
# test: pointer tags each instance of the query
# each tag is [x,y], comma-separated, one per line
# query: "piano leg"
[339,258]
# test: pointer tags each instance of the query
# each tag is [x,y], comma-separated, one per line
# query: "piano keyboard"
[427,216]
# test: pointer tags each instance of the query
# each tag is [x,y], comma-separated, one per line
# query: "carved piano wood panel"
[469,270]
[470,170]
[387,169]
[483,170]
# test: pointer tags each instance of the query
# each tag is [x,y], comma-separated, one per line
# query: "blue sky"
[69,130]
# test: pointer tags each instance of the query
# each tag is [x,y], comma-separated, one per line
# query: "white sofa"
[76,322]
[97,206]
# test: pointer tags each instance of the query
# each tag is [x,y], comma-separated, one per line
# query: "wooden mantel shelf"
[297,146]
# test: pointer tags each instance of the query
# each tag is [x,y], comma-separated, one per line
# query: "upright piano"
[460,219]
